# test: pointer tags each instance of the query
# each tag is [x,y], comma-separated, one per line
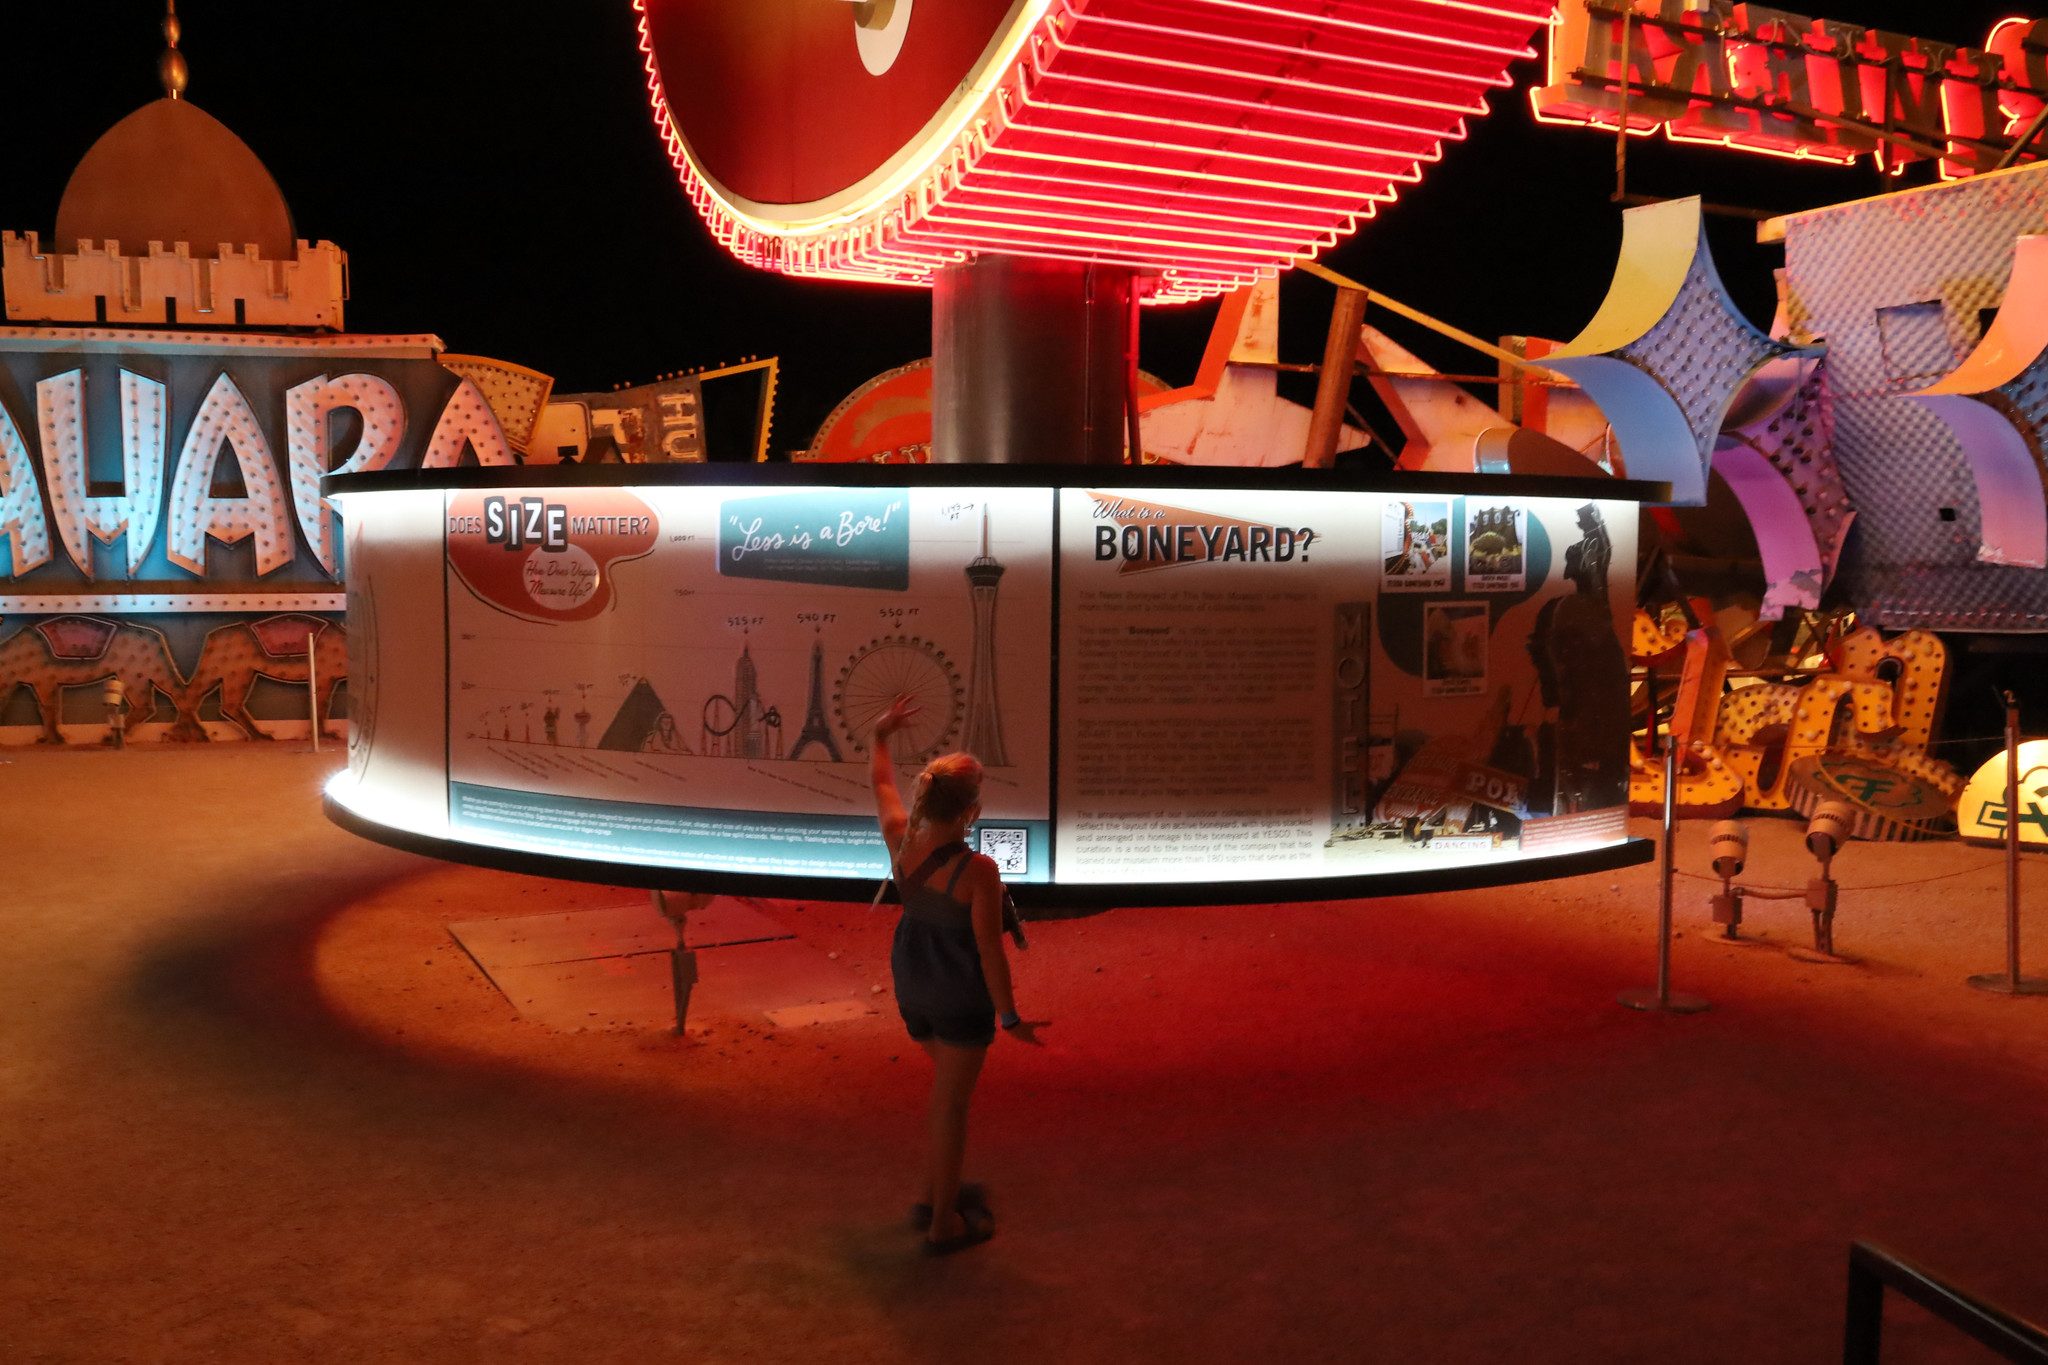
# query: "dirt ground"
[256,1106]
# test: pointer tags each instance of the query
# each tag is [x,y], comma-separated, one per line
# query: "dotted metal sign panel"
[1798,440]
[1667,354]
[1897,288]
[1702,351]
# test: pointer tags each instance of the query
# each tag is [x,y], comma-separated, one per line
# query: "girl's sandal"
[973,1198]
[980,1227]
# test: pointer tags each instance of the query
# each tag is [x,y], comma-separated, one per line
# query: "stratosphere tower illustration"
[983,736]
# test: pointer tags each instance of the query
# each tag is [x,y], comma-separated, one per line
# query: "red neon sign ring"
[1204,142]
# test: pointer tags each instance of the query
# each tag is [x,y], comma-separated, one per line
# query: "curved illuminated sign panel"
[1181,686]
[1763,80]
[1204,142]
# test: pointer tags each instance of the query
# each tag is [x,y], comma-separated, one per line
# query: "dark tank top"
[935,960]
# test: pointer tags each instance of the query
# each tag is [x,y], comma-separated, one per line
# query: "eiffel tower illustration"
[815,730]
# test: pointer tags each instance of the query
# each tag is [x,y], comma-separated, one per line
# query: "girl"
[952,977]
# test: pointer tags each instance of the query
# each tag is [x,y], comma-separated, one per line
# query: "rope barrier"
[1937,743]
[1763,891]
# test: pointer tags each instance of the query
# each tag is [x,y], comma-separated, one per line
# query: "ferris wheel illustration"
[893,666]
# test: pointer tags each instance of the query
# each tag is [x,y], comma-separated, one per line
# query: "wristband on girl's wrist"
[1009,1019]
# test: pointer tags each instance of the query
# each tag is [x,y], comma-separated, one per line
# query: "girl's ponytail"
[947,789]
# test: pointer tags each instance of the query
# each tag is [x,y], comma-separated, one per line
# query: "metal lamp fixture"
[1832,826]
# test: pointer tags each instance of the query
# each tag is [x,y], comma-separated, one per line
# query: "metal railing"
[1872,1270]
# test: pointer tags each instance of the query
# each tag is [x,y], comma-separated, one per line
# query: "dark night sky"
[494,175]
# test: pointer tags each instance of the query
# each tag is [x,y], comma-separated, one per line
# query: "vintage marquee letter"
[1771,63]
[2022,45]
[1970,109]
[1902,79]
[22,528]
[1585,69]
[195,513]
[1832,68]
[307,408]
[81,517]
[1698,64]
[1767,60]
[682,423]
[467,421]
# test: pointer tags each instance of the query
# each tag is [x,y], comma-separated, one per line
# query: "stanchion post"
[1664,869]
[2009,981]
[1662,1000]
[2012,839]
[1863,1322]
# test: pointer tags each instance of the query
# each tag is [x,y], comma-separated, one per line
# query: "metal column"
[1031,362]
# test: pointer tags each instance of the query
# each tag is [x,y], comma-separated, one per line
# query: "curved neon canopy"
[1206,143]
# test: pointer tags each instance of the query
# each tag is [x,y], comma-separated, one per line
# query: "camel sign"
[55,653]
[150,469]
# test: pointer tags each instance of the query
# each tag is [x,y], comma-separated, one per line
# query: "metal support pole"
[1628,15]
[2024,140]
[115,695]
[2009,981]
[313,691]
[1134,436]
[1664,871]
[2012,839]
[1030,362]
[1662,1000]
[1333,383]
[1727,911]
[1823,897]
[682,959]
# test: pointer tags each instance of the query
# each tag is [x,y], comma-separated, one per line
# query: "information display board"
[1260,685]
[1165,684]
[688,676]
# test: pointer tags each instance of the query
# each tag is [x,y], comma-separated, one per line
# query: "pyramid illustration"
[635,721]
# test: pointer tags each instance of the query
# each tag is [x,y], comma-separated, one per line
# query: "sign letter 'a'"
[22,528]
[467,423]
[81,517]
[195,513]
[307,408]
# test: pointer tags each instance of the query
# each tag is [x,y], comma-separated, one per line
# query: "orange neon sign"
[1764,80]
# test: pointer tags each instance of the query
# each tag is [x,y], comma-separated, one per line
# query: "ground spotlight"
[1830,827]
[1728,845]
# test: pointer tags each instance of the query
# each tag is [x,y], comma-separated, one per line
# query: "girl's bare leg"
[955,1068]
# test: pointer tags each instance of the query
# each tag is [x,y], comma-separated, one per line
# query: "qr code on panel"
[1007,845]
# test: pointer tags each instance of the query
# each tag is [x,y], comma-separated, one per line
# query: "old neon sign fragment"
[1772,82]
[177,496]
